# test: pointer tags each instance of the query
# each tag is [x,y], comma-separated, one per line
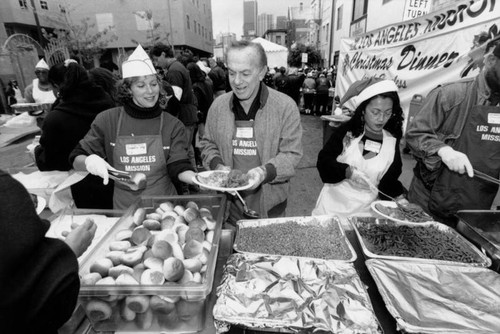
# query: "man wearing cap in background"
[40,91]
[454,134]
[362,155]
[178,77]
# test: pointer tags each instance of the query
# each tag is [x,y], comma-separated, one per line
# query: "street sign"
[304,57]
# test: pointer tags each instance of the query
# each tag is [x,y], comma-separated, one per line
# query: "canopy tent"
[276,54]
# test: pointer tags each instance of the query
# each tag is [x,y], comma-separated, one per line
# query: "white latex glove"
[360,179]
[455,160]
[257,176]
[96,165]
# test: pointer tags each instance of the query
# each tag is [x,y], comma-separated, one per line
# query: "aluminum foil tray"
[432,298]
[478,258]
[290,294]
[338,241]
[485,225]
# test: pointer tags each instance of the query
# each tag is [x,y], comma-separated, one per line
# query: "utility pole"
[37,21]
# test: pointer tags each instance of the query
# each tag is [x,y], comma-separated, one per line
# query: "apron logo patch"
[494,118]
[136,149]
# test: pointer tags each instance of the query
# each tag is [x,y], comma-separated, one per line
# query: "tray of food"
[439,298]
[432,243]
[22,107]
[153,270]
[404,214]
[315,237]
[290,295]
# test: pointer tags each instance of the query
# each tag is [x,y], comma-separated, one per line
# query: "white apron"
[346,198]
[41,96]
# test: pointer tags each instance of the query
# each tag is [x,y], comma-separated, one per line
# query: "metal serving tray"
[481,259]
[483,228]
[306,221]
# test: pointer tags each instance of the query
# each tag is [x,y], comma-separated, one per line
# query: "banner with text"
[422,53]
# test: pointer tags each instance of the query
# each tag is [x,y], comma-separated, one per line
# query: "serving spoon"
[247,212]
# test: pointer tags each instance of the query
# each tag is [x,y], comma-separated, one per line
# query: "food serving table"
[80,325]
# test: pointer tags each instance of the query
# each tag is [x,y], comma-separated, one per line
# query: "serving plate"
[336,118]
[393,205]
[199,181]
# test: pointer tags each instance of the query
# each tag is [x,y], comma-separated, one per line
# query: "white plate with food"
[389,209]
[223,180]
[336,118]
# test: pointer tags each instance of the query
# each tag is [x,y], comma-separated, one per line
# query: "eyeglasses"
[385,114]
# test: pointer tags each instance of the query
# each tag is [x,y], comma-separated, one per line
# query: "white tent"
[276,54]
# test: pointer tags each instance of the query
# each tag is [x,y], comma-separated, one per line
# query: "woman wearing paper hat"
[363,153]
[136,137]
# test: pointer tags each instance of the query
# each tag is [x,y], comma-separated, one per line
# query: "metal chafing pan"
[482,227]
[480,259]
[306,221]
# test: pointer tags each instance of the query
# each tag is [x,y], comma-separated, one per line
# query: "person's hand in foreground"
[81,236]
[456,161]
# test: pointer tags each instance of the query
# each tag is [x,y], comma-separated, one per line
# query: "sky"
[227,15]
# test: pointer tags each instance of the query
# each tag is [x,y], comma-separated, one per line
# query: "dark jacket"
[63,127]
[39,281]
[218,77]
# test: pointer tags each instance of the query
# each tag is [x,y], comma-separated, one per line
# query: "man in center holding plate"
[254,129]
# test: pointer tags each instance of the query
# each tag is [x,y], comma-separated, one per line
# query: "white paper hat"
[42,64]
[138,64]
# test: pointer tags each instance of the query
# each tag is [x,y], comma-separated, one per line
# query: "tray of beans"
[432,242]
[318,237]
[154,269]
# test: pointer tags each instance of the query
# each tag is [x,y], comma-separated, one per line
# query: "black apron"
[480,141]
[144,154]
[246,157]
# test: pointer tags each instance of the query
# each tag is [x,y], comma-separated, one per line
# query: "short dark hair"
[158,48]
[240,45]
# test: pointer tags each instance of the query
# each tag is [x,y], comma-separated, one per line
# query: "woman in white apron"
[363,154]
[137,137]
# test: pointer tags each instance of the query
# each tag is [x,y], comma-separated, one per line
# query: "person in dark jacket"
[293,85]
[203,90]
[79,102]
[218,75]
[39,281]
[322,89]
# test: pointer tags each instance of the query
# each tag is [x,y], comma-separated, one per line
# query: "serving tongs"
[135,181]
[486,177]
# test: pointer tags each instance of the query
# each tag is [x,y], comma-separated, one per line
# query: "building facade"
[264,23]
[249,19]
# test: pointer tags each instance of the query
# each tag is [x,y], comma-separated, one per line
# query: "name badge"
[136,149]
[493,118]
[372,146]
[244,132]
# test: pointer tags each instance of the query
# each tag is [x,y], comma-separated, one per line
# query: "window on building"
[327,32]
[44,5]
[23,4]
[198,3]
[141,21]
[385,1]
[194,24]
[199,29]
[359,9]
[62,9]
[104,21]
[204,8]
[187,22]
[340,11]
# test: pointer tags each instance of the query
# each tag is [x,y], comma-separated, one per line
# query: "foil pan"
[287,294]
[432,298]
[340,239]
[479,259]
